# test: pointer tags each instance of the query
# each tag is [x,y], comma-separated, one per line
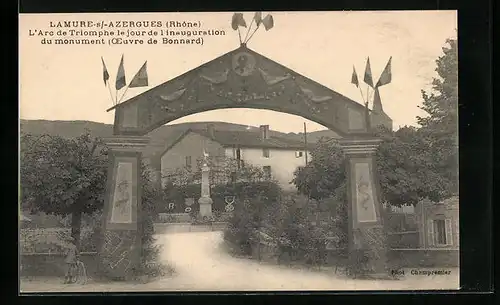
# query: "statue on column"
[205,201]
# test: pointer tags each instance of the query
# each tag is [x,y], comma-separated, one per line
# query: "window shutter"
[430,231]
[449,232]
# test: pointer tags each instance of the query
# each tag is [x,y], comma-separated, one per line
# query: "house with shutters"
[438,223]
[278,156]
[429,225]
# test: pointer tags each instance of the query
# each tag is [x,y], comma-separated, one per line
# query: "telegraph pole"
[305,142]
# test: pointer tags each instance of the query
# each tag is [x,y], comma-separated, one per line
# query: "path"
[201,264]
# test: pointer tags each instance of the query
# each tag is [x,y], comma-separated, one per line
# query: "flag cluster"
[385,77]
[140,79]
[238,21]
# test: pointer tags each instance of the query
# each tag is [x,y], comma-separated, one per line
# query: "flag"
[258,18]
[105,74]
[386,76]
[120,76]
[237,21]
[354,78]
[268,22]
[377,102]
[141,77]
[368,74]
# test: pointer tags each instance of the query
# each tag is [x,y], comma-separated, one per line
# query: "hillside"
[160,137]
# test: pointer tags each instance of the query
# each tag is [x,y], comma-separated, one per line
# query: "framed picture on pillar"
[123,205]
[365,193]
[346,123]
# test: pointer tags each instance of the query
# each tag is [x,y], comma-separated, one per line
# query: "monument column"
[120,248]
[205,201]
[367,236]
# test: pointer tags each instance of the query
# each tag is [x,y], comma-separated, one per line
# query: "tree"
[63,176]
[324,173]
[440,125]
[222,170]
[441,104]
[407,172]
[150,250]
[412,163]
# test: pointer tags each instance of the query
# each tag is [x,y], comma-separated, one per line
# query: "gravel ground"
[202,265]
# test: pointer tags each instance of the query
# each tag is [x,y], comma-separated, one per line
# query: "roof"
[248,139]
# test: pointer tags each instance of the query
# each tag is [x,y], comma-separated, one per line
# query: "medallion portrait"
[243,63]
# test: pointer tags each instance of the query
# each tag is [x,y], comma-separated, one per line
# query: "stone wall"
[414,258]
[425,258]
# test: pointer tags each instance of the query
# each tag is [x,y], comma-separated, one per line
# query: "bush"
[288,220]
[254,200]
[149,264]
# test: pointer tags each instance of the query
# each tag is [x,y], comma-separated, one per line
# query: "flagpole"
[252,34]
[239,34]
[124,92]
[367,94]
[248,31]
[362,97]
[109,89]
[305,142]
[373,91]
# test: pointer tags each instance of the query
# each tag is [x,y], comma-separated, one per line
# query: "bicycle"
[80,273]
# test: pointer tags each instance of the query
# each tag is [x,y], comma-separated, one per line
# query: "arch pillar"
[119,250]
[366,232]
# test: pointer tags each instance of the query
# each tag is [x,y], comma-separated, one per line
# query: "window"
[440,229]
[265,152]
[440,232]
[188,161]
[267,172]
[299,154]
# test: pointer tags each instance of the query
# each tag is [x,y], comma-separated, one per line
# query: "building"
[439,223]
[279,157]
[429,225]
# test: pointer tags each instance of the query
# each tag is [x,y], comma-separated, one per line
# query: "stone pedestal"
[205,201]
[119,251]
[367,236]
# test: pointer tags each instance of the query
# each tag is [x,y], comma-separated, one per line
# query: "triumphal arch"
[241,78]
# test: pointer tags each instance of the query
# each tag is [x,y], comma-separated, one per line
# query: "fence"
[170,228]
[187,218]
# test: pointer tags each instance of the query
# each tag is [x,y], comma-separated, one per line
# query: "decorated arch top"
[241,78]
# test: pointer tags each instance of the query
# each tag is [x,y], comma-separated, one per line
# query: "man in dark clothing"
[70,260]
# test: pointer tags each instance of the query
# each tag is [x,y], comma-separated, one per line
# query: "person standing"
[70,261]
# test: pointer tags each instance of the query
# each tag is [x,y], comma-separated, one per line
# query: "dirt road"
[201,264]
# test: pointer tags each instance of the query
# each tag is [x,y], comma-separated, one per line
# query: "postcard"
[238,151]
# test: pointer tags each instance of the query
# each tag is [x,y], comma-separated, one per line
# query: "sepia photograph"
[238,151]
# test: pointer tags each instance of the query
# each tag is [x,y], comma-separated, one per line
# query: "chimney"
[211,131]
[264,132]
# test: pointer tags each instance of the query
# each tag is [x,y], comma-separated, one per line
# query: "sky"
[64,82]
